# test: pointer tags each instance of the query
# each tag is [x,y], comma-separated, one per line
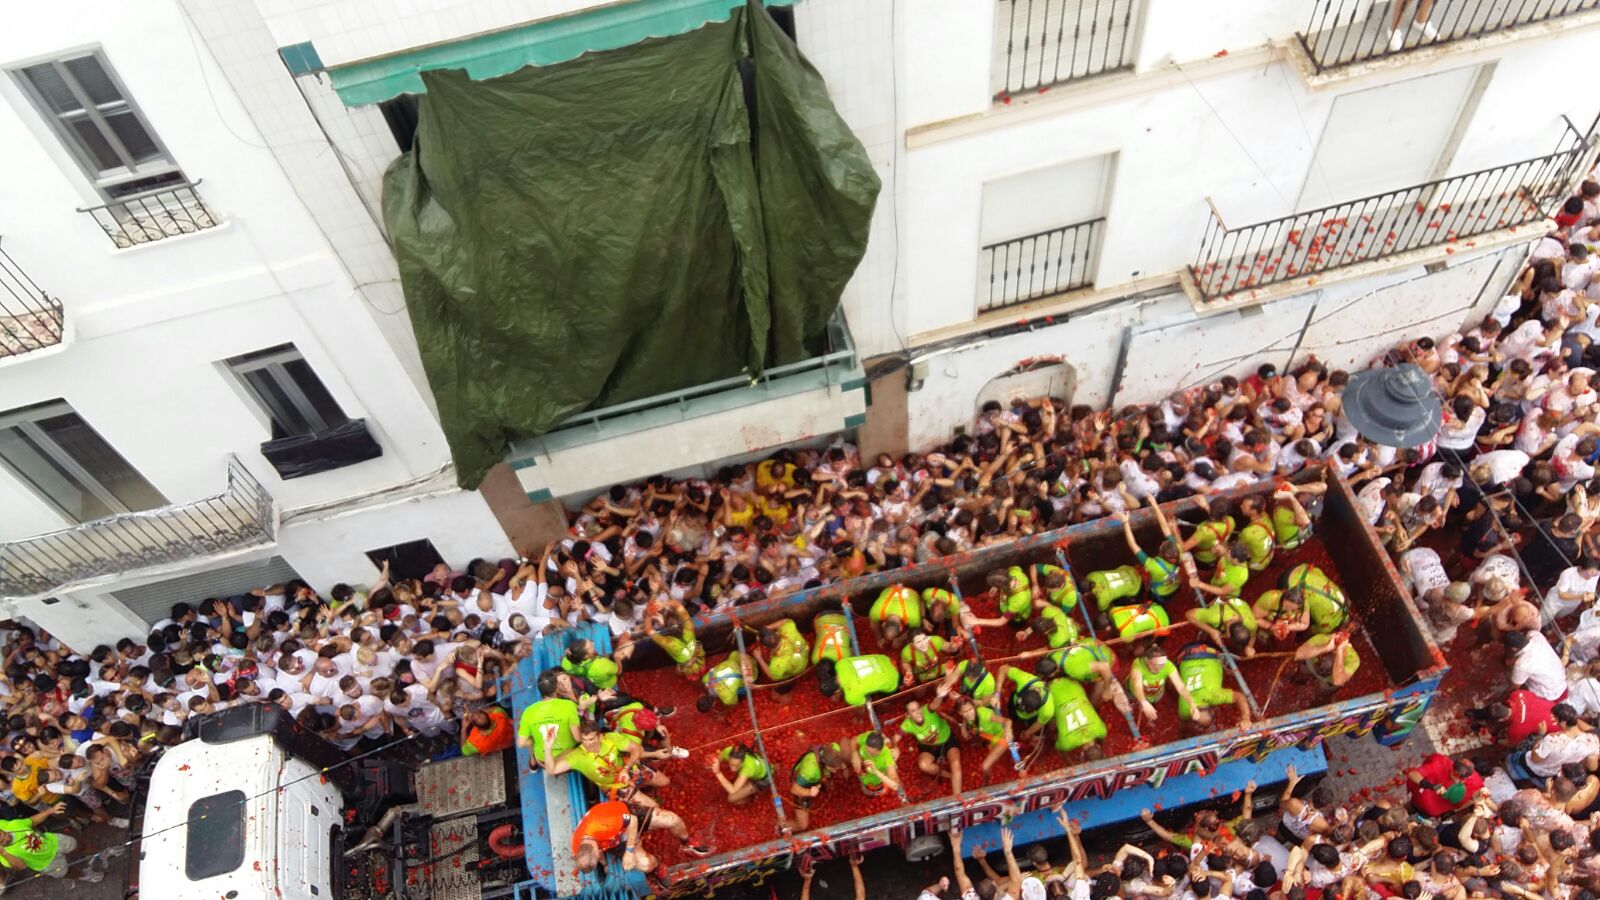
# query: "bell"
[1395,406]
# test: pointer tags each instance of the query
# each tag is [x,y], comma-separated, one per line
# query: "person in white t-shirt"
[1574,589]
[1536,666]
[413,711]
[1425,571]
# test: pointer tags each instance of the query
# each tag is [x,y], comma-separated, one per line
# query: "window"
[413,559]
[1040,231]
[90,111]
[283,385]
[215,836]
[55,452]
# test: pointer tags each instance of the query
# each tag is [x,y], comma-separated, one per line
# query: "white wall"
[1241,135]
[1170,348]
[147,325]
[459,523]
[689,442]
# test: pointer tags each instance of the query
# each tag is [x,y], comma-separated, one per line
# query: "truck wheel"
[925,847]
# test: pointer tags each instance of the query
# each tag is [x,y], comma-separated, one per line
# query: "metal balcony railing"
[30,319]
[154,215]
[1043,42]
[1444,212]
[241,516]
[1038,265]
[1344,32]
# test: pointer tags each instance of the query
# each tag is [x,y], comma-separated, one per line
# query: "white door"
[1386,138]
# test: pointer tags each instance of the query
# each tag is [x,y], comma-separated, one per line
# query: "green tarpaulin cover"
[609,228]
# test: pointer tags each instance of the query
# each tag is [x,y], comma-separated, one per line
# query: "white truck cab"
[241,820]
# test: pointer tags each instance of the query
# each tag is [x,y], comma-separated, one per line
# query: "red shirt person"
[1530,715]
[1439,785]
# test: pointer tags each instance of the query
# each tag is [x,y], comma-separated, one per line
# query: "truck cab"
[253,807]
[242,819]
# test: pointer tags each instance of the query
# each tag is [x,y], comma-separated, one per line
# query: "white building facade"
[174,317]
[1104,199]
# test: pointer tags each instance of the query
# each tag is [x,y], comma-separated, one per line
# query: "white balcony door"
[1389,137]
[1028,246]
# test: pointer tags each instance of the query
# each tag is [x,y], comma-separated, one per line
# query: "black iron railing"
[1447,211]
[241,516]
[1043,42]
[154,215]
[1342,32]
[30,319]
[1039,265]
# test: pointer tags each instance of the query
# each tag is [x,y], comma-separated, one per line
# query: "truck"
[253,807]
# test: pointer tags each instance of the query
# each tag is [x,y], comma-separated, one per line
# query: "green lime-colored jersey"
[933,730]
[1200,668]
[862,676]
[1077,723]
[808,770]
[725,680]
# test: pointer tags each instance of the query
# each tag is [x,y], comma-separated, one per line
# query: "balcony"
[1039,43]
[1345,32]
[30,319]
[153,216]
[1446,213]
[1038,265]
[708,422]
[240,517]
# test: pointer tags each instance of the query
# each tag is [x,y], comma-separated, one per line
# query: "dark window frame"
[214,836]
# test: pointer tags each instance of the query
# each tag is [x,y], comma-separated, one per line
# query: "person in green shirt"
[557,711]
[26,847]
[895,614]
[856,679]
[872,758]
[727,681]
[1078,724]
[810,772]
[1015,591]
[924,659]
[937,753]
[676,638]
[1054,584]
[1161,572]
[782,654]
[1324,599]
[1030,700]
[1258,535]
[970,680]
[941,612]
[1291,524]
[1283,612]
[605,758]
[1050,623]
[1231,575]
[1210,537]
[1229,622]
[1131,621]
[832,637]
[1115,586]
[1330,658]
[1200,669]
[1150,674]
[1091,664]
[750,773]
[584,660]
[978,720]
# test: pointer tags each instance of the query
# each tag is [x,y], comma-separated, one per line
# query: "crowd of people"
[1492,523]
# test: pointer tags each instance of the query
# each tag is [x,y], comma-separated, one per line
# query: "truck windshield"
[215,835]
